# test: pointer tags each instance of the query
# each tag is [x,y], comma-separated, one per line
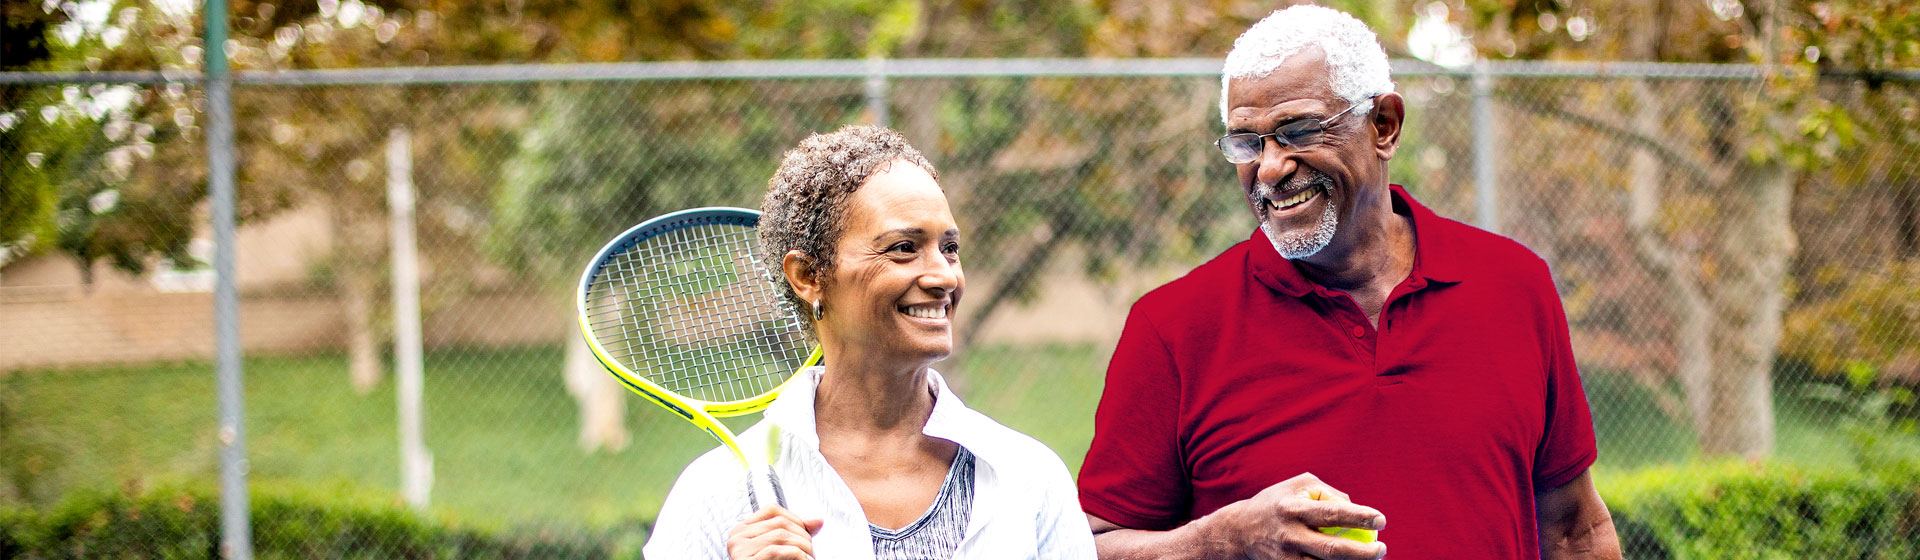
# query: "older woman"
[877,458]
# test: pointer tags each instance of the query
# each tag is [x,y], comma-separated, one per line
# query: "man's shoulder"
[1202,285]
[1484,254]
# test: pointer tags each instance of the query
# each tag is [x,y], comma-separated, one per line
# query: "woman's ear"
[800,274]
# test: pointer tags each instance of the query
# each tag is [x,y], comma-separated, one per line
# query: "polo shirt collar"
[951,420]
[1432,260]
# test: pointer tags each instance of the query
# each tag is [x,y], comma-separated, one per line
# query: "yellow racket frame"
[705,414]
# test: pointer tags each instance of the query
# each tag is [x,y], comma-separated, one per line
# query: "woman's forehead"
[902,194]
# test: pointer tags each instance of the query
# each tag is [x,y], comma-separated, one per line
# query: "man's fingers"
[1340,514]
[813,525]
[1324,492]
[1331,548]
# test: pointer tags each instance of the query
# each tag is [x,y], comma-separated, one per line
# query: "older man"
[1358,359]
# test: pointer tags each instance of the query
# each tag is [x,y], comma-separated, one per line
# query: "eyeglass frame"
[1279,137]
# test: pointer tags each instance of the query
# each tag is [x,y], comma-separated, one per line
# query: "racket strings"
[692,311]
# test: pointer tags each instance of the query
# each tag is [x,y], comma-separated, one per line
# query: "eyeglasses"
[1295,135]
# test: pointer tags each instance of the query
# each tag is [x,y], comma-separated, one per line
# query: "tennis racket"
[680,309]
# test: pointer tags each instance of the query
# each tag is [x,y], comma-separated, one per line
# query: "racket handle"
[762,482]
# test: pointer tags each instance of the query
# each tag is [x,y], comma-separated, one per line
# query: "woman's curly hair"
[806,204]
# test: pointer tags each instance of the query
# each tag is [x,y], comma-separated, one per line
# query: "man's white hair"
[1357,65]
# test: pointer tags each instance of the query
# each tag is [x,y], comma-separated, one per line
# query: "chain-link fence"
[1738,272]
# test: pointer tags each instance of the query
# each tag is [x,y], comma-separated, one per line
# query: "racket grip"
[762,482]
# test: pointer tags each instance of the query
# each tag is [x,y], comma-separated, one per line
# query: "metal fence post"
[236,535]
[1485,170]
[416,464]
[877,89]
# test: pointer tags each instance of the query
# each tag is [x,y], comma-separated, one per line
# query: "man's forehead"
[1304,74]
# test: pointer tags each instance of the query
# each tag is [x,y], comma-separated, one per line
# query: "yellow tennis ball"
[1352,534]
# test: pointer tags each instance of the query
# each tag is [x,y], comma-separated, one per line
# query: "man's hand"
[773,533]
[1279,523]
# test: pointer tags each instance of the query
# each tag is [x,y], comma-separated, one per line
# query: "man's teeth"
[1292,200]
[936,312]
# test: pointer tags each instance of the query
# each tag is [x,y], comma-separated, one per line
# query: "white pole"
[877,89]
[416,464]
[1485,140]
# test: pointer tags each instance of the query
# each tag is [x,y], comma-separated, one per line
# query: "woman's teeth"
[1292,200]
[936,312]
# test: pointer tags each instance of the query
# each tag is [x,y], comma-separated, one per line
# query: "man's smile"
[1299,198]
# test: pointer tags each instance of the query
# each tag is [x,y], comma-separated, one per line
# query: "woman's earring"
[817,310]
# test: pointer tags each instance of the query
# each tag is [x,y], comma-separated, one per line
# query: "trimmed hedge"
[1714,511]
[1765,511]
[185,524]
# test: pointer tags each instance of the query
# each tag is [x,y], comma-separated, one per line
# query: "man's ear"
[1389,112]
[800,274]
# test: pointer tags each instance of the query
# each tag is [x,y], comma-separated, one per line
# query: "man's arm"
[1574,523]
[1276,523]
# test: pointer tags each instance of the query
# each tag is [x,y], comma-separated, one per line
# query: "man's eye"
[902,247]
[1300,130]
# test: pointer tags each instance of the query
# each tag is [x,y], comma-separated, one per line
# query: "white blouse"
[1024,502]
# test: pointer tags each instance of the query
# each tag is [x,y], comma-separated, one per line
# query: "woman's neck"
[865,397]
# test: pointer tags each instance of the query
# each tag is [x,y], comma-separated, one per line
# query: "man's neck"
[1380,256]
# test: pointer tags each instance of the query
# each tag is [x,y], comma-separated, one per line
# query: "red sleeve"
[1134,475]
[1567,446]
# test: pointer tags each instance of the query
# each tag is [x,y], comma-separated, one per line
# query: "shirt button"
[1359,331]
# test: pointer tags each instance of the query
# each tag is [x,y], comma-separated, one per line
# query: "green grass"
[502,430]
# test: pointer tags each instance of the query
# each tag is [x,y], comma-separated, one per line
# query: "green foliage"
[77,161]
[1864,322]
[296,524]
[1736,510]
[1877,420]
[597,159]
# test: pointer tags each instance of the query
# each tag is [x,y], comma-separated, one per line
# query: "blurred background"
[1728,192]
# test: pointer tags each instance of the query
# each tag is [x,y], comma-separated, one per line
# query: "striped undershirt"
[937,533]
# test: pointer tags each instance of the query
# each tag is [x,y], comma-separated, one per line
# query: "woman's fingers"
[773,533]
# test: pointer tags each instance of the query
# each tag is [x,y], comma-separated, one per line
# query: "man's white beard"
[1299,245]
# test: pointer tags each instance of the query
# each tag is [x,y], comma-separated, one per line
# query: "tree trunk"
[1024,273]
[1692,336]
[603,401]
[363,346]
[1753,251]
[354,270]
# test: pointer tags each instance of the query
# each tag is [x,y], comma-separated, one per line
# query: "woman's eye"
[951,248]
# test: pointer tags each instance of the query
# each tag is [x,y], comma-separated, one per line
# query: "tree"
[87,189]
[26,206]
[1711,173]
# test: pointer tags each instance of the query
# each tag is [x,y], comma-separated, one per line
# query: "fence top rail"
[900,68]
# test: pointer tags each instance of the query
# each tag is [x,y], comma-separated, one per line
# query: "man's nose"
[1277,162]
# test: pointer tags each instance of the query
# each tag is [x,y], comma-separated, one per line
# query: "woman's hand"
[773,533]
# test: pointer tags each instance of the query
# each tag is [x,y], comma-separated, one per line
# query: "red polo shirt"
[1447,418]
